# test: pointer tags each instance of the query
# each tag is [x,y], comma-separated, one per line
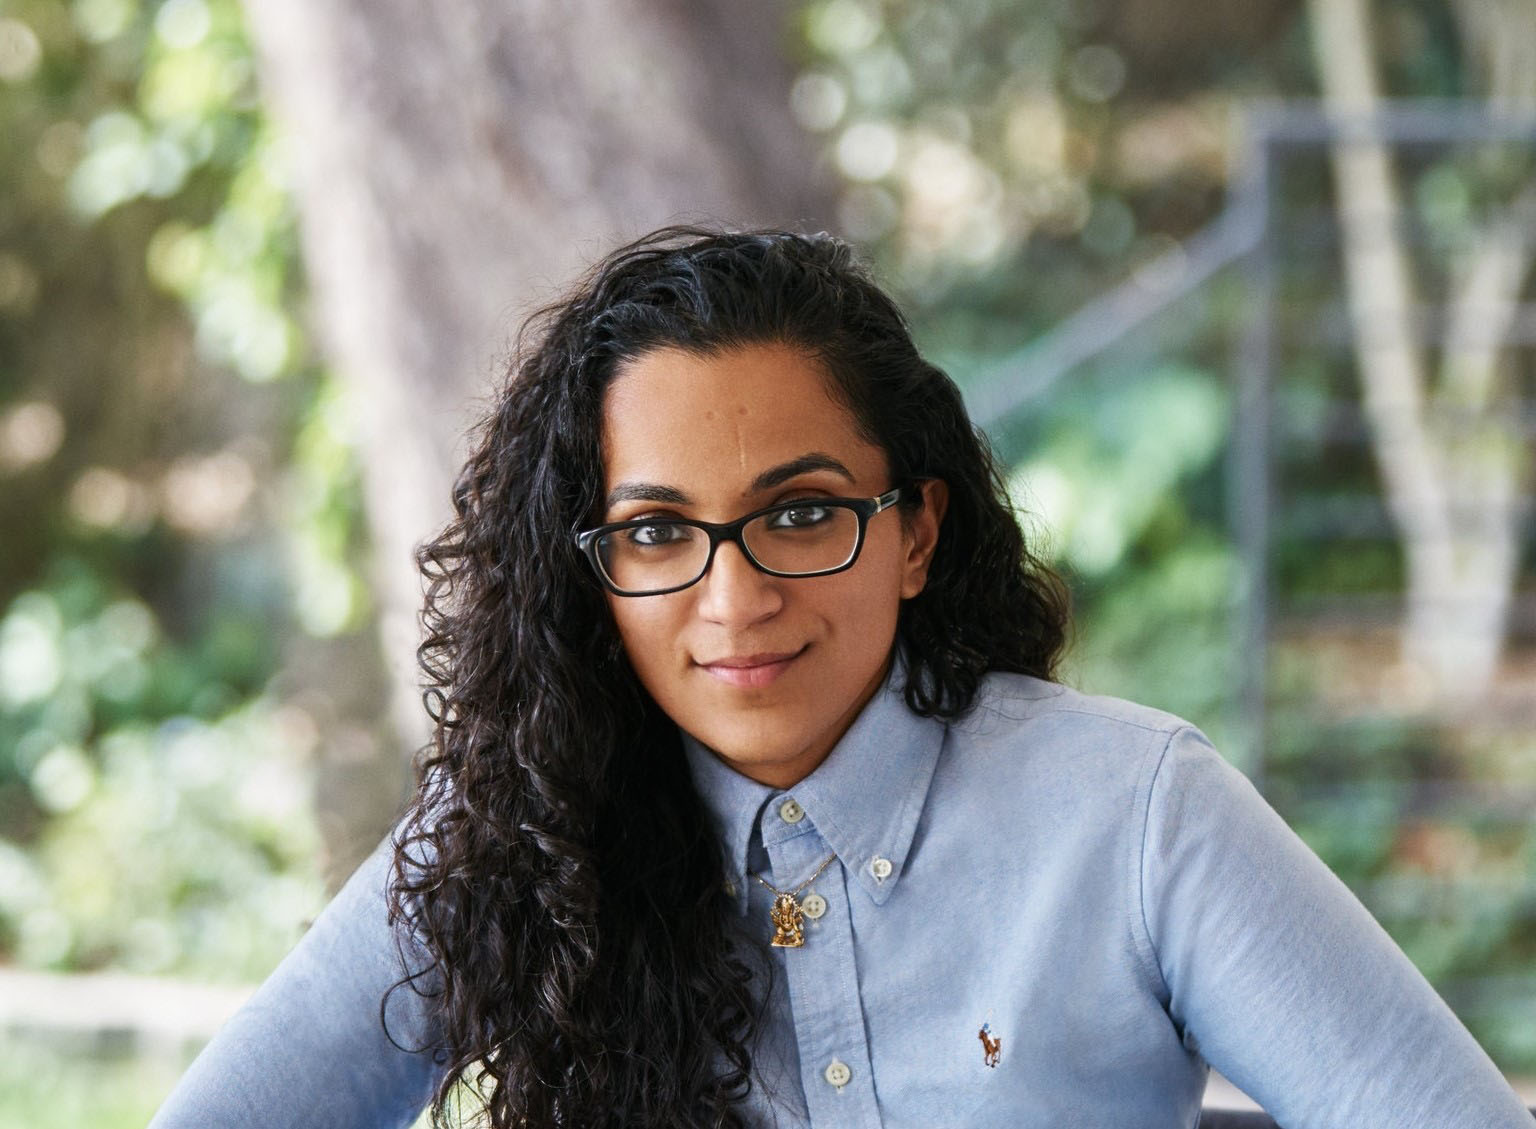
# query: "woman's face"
[767,671]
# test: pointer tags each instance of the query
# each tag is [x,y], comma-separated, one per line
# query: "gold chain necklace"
[787,916]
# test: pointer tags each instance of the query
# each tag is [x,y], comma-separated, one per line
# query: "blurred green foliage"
[54,1087]
[178,498]
[1118,476]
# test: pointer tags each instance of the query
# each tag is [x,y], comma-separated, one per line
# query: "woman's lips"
[752,670]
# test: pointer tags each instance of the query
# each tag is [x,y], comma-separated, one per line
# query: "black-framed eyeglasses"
[652,556]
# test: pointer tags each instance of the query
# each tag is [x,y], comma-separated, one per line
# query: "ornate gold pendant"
[788,923]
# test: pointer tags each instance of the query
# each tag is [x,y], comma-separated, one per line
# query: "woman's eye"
[657,534]
[799,517]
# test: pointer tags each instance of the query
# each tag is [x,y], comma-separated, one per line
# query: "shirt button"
[791,812]
[813,906]
[837,1073]
[730,888]
[880,867]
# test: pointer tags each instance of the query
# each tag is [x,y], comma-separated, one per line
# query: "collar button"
[790,811]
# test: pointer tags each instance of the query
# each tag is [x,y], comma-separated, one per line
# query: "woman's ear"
[922,536]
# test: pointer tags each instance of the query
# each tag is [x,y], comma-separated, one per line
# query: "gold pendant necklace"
[787,916]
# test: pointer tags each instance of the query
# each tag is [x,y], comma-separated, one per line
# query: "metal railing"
[1248,243]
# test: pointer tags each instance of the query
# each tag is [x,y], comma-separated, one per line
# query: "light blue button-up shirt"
[1055,911]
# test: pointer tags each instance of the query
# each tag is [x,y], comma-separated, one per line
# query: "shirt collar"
[864,799]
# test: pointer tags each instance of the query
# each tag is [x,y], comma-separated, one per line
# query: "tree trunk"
[1452,461]
[455,162]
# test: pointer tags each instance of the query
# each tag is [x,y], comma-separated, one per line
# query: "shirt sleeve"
[1283,981]
[308,1048]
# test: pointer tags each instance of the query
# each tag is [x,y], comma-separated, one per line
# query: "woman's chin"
[764,748]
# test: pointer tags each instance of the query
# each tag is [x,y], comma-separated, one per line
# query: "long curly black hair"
[556,865]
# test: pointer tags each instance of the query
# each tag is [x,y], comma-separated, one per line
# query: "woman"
[752,798]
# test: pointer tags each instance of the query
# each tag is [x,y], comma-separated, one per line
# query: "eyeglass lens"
[798,539]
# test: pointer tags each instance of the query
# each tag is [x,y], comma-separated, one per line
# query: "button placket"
[822,983]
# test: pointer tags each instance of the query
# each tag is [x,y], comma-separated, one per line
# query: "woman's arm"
[1283,981]
[308,1049]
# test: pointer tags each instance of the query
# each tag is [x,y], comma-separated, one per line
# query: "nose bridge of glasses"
[729,540]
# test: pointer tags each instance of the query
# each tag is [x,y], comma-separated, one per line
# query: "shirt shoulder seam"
[1148,945]
[1169,727]
[992,703]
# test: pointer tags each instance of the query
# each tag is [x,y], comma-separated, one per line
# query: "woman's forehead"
[671,414]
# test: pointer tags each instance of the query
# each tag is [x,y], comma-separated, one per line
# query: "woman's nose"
[736,593]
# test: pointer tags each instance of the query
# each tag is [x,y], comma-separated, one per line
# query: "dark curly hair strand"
[556,866]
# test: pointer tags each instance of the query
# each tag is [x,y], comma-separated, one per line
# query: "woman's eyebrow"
[773,476]
[813,460]
[646,492]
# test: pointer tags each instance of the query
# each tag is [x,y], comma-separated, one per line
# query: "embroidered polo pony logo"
[991,1045]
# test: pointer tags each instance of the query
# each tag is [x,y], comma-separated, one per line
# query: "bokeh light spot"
[128,624]
[183,23]
[45,939]
[101,20]
[205,495]
[841,27]
[30,433]
[817,101]
[868,150]
[31,658]
[1034,135]
[20,52]
[63,779]
[177,256]
[324,600]
[108,499]
[116,167]
[1096,73]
